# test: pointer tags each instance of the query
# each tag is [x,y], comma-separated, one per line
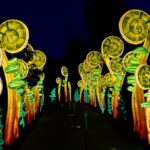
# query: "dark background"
[66,30]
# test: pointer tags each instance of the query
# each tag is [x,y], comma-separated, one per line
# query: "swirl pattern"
[94,59]
[64,71]
[134,25]
[39,59]
[87,67]
[80,84]
[101,81]
[112,46]
[14,35]
[109,80]
[127,60]
[143,76]
[23,68]
[58,80]
[116,65]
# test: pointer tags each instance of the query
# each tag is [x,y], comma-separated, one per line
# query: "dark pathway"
[57,129]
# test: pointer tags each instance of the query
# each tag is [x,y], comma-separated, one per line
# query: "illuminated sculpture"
[112,48]
[13,39]
[70,91]
[102,89]
[59,82]
[80,84]
[23,98]
[64,72]
[86,97]
[53,95]
[1,115]
[89,72]
[76,96]
[134,28]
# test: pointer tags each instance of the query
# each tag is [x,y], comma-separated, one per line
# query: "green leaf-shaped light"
[140,50]
[16,84]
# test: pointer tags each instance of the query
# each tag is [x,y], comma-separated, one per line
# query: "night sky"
[66,30]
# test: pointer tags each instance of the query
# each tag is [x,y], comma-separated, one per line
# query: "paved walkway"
[59,128]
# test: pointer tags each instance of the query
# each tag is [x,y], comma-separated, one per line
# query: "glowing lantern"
[1,86]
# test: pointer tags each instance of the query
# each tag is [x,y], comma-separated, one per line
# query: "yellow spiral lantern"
[88,67]
[134,25]
[23,68]
[112,46]
[143,76]
[130,62]
[14,35]
[116,65]
[39,59]
[109,80]
[94,59]
[64,71]
[58,80]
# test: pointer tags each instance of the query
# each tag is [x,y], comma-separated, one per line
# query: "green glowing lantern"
[18,77]
[22,122]
[129,62]
[117,89]
[86,96]
[40,86]
[111,89]
[134,60]
[145,104]
[147,94]
[109,107]
[13,61]
[20,91]
[29,95]
[12,68]
[32,100]
[109,95]
[53,95]
[131,79]
[76,96]
[40,82]
[16,84]
[130,88]
[140,50]
[132,68]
